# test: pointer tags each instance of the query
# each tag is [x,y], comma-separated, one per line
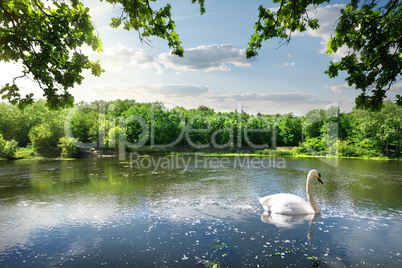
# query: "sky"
[214,70]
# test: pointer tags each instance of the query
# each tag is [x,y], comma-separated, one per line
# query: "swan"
[290,204]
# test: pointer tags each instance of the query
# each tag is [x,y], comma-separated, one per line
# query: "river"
[195,211]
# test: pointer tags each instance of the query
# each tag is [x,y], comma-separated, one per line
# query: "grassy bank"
[294,153]
[291,152]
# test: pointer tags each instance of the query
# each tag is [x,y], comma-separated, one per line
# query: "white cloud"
[340,88]
[396,88]
[122,56]
[286,64]
[153,91]
[327,19]
[277,98]
[206,58]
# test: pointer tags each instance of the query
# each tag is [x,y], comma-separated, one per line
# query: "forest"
[37,131]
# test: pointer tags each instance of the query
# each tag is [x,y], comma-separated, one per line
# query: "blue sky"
[214,70]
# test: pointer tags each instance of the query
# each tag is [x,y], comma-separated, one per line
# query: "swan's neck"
[309,191]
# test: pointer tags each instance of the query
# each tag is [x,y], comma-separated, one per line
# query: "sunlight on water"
[101,212]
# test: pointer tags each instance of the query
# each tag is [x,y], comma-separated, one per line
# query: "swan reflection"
[287,221]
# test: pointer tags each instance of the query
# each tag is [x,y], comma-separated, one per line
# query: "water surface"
[105,212]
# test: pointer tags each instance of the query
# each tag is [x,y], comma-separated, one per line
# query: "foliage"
[15,122]
[141,17]
[7,148]
[289,130]
[144,127]
[315,146]
[68,148]
[374,62]
[25,152]
[291,16]
[363,148]
[47,40]
[84,123]
[45,136]
[372,33]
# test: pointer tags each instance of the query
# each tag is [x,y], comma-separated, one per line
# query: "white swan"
[290,204]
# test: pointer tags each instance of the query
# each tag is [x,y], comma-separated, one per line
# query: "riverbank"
[290,152]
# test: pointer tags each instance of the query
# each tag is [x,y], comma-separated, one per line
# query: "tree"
[289,130]
[45,137]
[372,33]
[85,124]
[68,149]
[47,40]
[7,148]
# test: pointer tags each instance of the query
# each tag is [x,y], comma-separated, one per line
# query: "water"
[102,212]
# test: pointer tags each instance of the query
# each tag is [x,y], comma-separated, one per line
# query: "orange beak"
[319,179]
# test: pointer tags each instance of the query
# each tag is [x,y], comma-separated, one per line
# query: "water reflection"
[287,221]
[89,213]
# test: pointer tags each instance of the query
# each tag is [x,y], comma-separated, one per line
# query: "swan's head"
[315,175]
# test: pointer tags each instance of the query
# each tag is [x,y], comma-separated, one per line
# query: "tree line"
[110,126]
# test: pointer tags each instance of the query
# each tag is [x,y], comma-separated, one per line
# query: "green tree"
[371,31]
[47,40]
[7,148]
[258,132]
[45,137]
[85,123]
[15,123]
[313,123]
[68,149]
[222,131]
[389,126]
[289,130]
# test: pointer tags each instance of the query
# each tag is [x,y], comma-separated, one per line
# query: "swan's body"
[290,204]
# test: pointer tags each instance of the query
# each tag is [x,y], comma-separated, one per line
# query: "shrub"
[45,140]
[7,148]
[68,149]
[314,146]
[25,152]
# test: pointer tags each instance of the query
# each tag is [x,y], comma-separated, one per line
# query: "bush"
[300,150]
[313,146]
[25,152]
[363,148]
[7,148]
[68,149]
[45,140]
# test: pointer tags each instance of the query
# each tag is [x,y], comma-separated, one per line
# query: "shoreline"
[148,152]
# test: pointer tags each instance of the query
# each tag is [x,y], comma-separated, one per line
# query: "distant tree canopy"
[46,40]
[132,125]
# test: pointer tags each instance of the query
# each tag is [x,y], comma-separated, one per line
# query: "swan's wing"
[265,201]
[285,204]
